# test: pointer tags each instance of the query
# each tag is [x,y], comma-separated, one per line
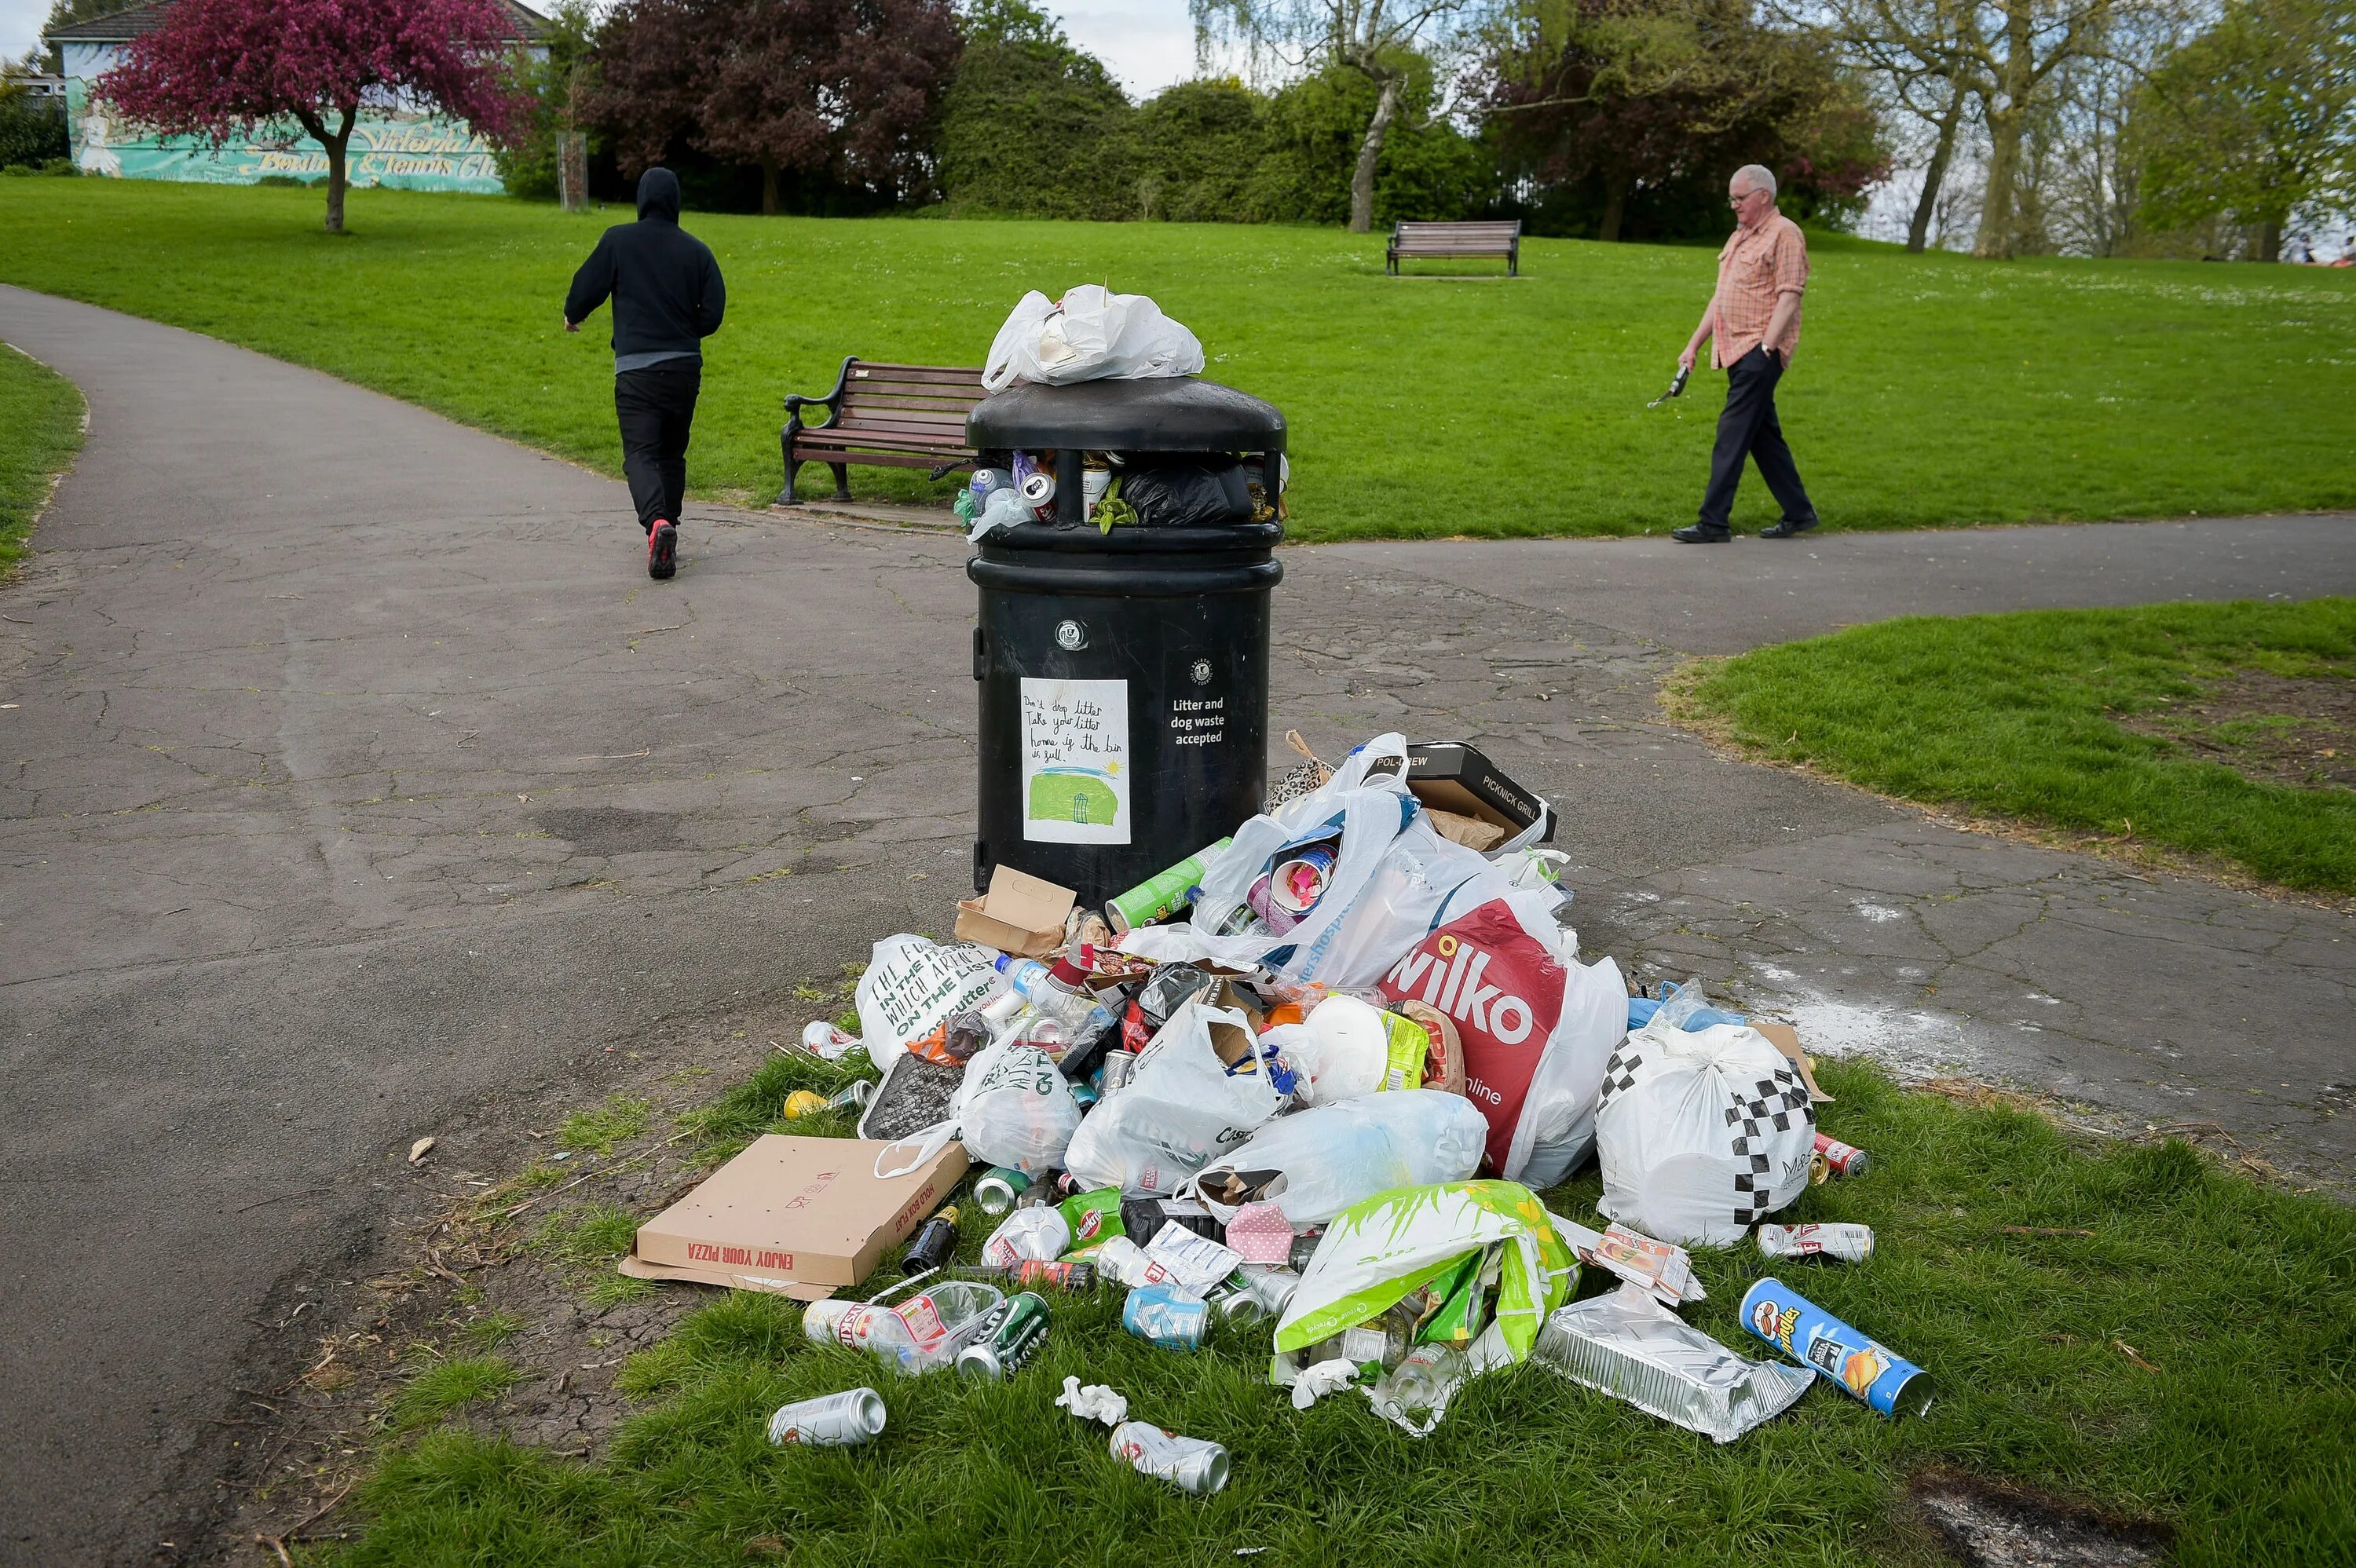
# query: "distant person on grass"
[668,298]
[1754,318]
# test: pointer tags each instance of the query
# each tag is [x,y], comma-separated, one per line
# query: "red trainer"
[662,550]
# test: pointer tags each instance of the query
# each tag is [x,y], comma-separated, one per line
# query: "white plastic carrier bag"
[1314,1164]
[1090,335]
[1180,1110]
[1701,1134]
[913,988]
[1017,1109]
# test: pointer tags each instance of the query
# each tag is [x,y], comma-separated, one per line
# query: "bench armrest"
[831,403]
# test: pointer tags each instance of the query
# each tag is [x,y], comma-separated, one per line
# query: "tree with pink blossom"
[221,71]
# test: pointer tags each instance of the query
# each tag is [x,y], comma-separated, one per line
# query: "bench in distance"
[1448,241]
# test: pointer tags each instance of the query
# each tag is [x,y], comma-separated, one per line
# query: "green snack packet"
[1093,1217]
[1458,1320]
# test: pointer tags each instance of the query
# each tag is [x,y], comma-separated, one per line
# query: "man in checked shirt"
[1754,317]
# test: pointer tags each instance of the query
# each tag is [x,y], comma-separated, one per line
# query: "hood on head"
[659,195]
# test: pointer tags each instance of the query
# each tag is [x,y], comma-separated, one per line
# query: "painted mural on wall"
[399,151]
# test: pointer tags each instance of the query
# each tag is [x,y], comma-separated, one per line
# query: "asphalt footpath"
[357,777]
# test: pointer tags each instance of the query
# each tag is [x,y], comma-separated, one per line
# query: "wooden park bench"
[889,416]
[1454,240]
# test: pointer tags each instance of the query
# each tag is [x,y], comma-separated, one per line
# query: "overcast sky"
[1148,44]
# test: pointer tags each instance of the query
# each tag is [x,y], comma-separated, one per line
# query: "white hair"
[1757,177]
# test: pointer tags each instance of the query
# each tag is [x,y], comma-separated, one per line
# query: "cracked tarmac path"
[359,776]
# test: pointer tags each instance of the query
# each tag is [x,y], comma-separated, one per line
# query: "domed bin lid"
[1163,414]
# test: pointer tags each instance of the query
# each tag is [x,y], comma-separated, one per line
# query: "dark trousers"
[656,407]
[1749,428]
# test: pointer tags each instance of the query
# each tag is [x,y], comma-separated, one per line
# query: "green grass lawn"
[1929,390]
[40,431]
[2044,716]
[2158,1336]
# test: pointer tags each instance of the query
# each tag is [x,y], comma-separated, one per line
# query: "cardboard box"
[798,1217]
[1452,776]
[1786,1038]
[1019,913]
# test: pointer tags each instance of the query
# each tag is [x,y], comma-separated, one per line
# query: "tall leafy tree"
[2252,120]
[845,88]
[221,71]
[1645,107]
[1381,41]
[1033,125]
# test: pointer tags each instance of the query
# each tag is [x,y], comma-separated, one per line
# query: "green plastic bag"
[1395,1241]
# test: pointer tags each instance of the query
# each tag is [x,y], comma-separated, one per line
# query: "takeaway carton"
[799,1217]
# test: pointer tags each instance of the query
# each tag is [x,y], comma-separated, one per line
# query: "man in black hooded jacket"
[668,298]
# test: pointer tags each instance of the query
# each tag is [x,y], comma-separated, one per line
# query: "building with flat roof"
[392,147]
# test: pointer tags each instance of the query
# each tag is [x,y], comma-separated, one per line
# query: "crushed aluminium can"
[1869,1369]
[1846,1243]
[1167,1316]
[1022,1329]
[1032,1274]
[1838,1242]
[832,1421]
[1845,1160]
[1190,1464]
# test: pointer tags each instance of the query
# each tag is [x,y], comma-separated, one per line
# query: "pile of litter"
[1305,1084]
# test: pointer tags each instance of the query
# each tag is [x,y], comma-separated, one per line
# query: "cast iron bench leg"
[841,481]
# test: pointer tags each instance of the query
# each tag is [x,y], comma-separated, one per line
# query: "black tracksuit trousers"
[656,407]
[1749,428]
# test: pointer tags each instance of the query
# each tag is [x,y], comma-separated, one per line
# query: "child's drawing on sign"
[1075,762]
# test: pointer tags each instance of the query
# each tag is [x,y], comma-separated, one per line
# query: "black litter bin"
[1124,675]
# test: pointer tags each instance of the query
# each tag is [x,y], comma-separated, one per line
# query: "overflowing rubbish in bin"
[1281,1067]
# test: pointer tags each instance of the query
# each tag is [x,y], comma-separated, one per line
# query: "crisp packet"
[1628,1345]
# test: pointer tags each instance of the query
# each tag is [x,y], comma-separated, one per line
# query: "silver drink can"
[832,1421]
[1190,1464]
[1849,1244]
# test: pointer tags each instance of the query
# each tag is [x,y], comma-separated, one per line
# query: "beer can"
[995,1192]
[832,1421]
[1845,1160]
[1160,897]
[1165,1315]
[1818,1167]
[1117,1066]
[1190,1464]
[852,1097]
[1022,1329]
[1849,1244]
[934,1243]
[1870,1370]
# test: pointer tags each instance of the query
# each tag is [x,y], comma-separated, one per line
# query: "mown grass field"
[40,431]
[1930,390]
[2027,716]
[2128,1325]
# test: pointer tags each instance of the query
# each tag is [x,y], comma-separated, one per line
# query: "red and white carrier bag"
[1538,1025]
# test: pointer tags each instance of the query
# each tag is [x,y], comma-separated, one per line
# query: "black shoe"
[1697,534]
[1787,529]
[662,551]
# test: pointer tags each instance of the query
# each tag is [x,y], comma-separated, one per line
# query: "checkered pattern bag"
[1701,1134]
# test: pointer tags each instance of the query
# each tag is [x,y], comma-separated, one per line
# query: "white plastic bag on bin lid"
[1379,1250]
[1090,335]
[1701,1134]
[1537,1025]
[1017,1109]
[1331,1158]
[913,986]
[1180,1110]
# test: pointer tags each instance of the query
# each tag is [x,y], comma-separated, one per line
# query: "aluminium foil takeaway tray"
[1628,1345]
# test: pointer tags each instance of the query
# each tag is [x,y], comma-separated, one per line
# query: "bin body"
[1123,674]
[1124,697]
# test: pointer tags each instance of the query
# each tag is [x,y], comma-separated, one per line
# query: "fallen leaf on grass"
[420,1149]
